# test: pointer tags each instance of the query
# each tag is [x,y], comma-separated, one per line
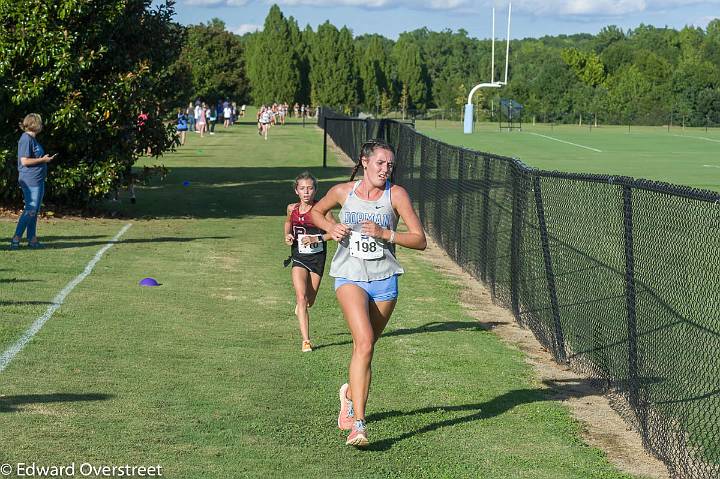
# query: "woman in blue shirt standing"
[32,170]
[182,125]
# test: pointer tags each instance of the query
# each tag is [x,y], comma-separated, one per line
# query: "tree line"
[647,74]
[93,69]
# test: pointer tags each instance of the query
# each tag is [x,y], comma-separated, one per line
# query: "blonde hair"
[32,122]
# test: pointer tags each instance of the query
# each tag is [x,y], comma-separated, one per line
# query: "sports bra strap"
[355,187]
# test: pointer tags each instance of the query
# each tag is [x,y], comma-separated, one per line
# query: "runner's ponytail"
[355,170]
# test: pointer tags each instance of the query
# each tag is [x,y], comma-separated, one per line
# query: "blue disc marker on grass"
[149,282]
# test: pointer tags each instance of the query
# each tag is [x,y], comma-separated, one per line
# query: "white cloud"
[246,28]
[540,8]
[703,21]
[600,8]
[413,4]
[608,8]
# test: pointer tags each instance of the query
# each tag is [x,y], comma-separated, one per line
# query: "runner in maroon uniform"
[308,251]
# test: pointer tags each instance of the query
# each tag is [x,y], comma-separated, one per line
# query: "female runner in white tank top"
[365,267]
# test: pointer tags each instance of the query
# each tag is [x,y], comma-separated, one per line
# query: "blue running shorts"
[379,290]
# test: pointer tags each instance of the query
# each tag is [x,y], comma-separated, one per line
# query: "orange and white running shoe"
[345,418]
[358,435]
[306,346]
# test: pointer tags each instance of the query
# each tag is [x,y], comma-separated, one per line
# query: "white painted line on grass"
[563,141]
[13,350]
[711,166]
[698,138]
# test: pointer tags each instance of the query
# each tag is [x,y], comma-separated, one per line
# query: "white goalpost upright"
[468,118]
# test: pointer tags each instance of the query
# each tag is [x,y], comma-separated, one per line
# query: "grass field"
[689,156]
[204,375]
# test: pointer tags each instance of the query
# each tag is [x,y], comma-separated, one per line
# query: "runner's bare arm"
[329,216]
[414,238]
[336,196]
[288,225]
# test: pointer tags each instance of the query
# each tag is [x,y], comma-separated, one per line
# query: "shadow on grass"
[554,391]
[433,327]
[49,239]
[24,303]
[16,280]
[222,192]
[163,239]
[15,403]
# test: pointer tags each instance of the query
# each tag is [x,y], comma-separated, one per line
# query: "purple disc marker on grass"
[186,183]
[149,282]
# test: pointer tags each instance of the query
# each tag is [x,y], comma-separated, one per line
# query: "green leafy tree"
[461,94]
[273,66]
[626,91]
[301,40]
[404,100]
[663,41]
[587,66]
[215,59]
[608,36]
[89,69]
[385,103]
[333,72]
[689,79]
[617,56]
[691,40]
[375,70]
[410,70]
[708,105]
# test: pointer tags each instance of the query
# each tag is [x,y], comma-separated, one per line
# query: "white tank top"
[360,258]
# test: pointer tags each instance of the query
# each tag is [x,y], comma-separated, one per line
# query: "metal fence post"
[460,207]
[630,298]
[423,180]
[438,192]
[325,142]
[485,220]
[560,354]
[515,239]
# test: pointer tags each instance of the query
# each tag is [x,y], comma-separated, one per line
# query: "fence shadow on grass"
[554,390]
[15,403]
[221,192]
[433,327]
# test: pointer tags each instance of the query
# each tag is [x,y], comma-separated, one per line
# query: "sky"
[530,18]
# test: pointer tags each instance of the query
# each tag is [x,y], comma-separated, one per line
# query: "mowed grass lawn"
[689,156]
[204,375]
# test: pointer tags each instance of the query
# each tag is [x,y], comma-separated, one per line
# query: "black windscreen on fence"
[619,277]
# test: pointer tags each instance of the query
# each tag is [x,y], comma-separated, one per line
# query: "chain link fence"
[615,276]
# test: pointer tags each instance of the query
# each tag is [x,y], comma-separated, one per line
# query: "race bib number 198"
[364,247]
